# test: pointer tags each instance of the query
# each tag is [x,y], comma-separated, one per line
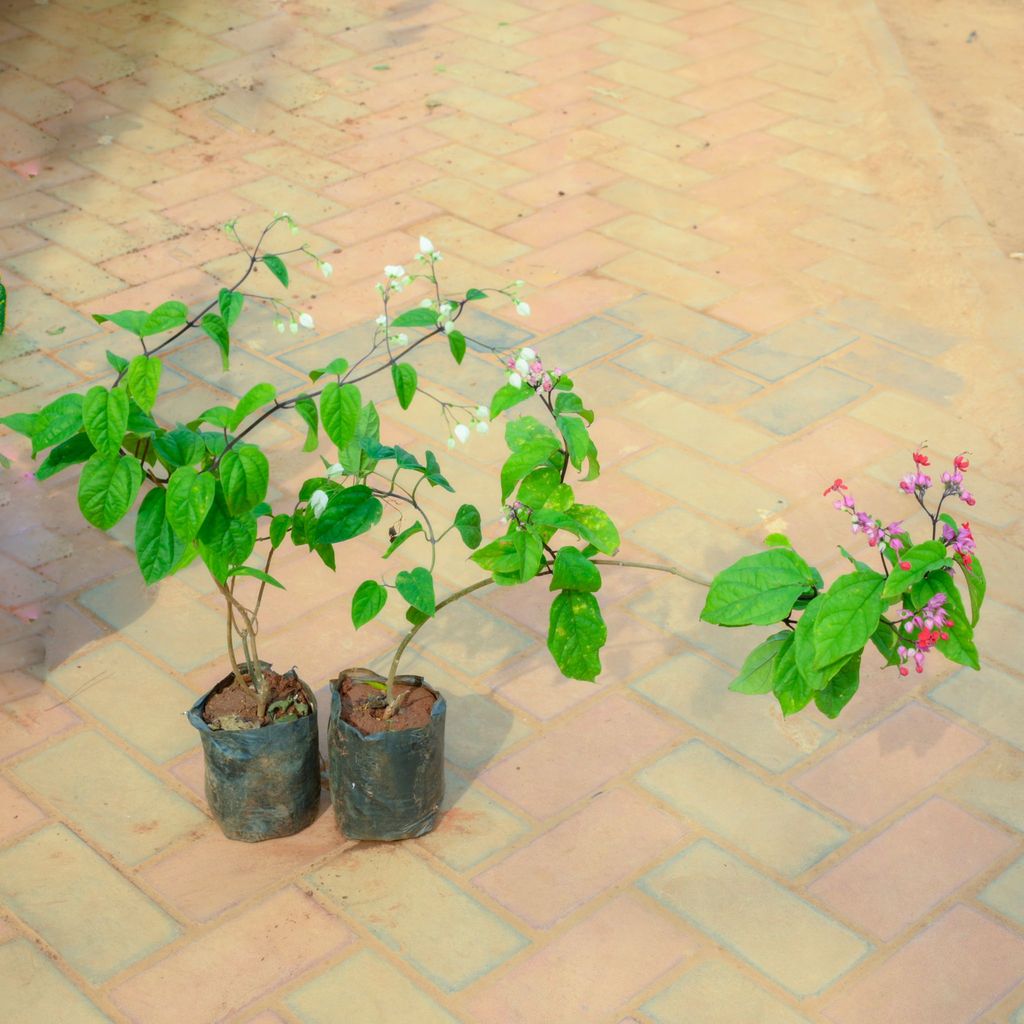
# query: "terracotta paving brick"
[916,983]
[589,970]
[907,752]
[261,948]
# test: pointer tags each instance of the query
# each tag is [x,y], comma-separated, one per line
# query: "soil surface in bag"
[237,704]
[363,705]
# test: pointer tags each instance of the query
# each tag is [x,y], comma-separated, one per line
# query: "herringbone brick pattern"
[740,228]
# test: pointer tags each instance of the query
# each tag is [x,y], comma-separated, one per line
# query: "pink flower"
[837,485]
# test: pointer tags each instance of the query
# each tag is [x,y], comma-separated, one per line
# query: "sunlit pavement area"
[742,227]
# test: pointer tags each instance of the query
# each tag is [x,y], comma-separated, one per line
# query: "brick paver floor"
[739,224]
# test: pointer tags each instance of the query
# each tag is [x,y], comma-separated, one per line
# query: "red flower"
[961,463]
[905,566]
[837,485]
[921,459]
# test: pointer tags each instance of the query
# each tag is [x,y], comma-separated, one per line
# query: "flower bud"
[318,502]
[515,380]
[462,432]
[426,246]
[306,320]
[523,308]
[325,268]
[528,353]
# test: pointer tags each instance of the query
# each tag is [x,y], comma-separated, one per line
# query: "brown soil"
[363,706]
[239,700]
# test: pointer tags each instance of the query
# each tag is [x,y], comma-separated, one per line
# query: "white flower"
[427,304]
[400,339]
[306,320]
[279,324]
[325,268]
[382,320]
[448,327]
[515,380]
[451,442]
[482,426]
[294,327]
[426,245]
[462,432]
[335,470]
[528,353]
[482,412]
[394,271]
[522,367]
[318,502]
[523,308]
[445,308]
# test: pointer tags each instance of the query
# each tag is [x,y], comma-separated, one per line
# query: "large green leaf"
[804,649]
[255,398]
[848,616]
[759,667]
[350,512]
[757,590]
[960,646]
[189,500]
[339,412]
[417,587]
[55,422]
[165,317]
[526,430]
[367,602]
[597,527]
[976,584]
[158,549]
[569,402]
[105,417]
[923,559]
[530,455]
[576,634]
[418,317]
[244,475]
[577,440]
[543,488]
[279,527]
[230,305]
[403,376]
[841,687]
[467,522]
[180,447]
[231,538]
[574,571]
[789,686]
[506,397]
[499,556]
[129,319]
[68,453]
[144,380]
[107,488]
[213,324]
[530,551]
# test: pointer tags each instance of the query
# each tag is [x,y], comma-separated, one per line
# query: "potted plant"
[907,607]
[203,486]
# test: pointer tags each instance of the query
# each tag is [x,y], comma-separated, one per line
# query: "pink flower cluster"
[875,534]
[931,624]
[526,368]
[961,540]
[917,483]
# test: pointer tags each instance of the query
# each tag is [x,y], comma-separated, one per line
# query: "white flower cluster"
[479,418]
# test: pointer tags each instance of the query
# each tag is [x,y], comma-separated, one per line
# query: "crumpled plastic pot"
[261,783]
[387,785]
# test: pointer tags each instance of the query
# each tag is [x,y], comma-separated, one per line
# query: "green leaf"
[975,579]
[105,416]
[189,499]
[530,553]
[568,402]
[789,687]
[418,317]
[523,431]
[230,304]
[886,642]
[432,471]
[326,553]
[923,558]
[457,345]
[158,549]
[576,634]
[759,589]
[339,412]
[23,423]
[521,461]
[574,571]
[804,648]
[54,423]
[244,475]
[213,324]
[543,488]
[276,266]
[467,522]
[499,556]
[403,375]
[402,537]
[165,317]
[861,566]
[180,447]
[279,527]
[306,408]
[337,367]
[255,398]
[849,614]
[841,687]
[107,488]
[144,380]
[367,602]
[597,527]
[350,512]
[68,453]
[230,538]
[759,666]
[417,587]
[414,616]
[259,574]
[777,540]
[129,319]
[577,440]
[960,647]
[474,294]
[506,397]
[119,363]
